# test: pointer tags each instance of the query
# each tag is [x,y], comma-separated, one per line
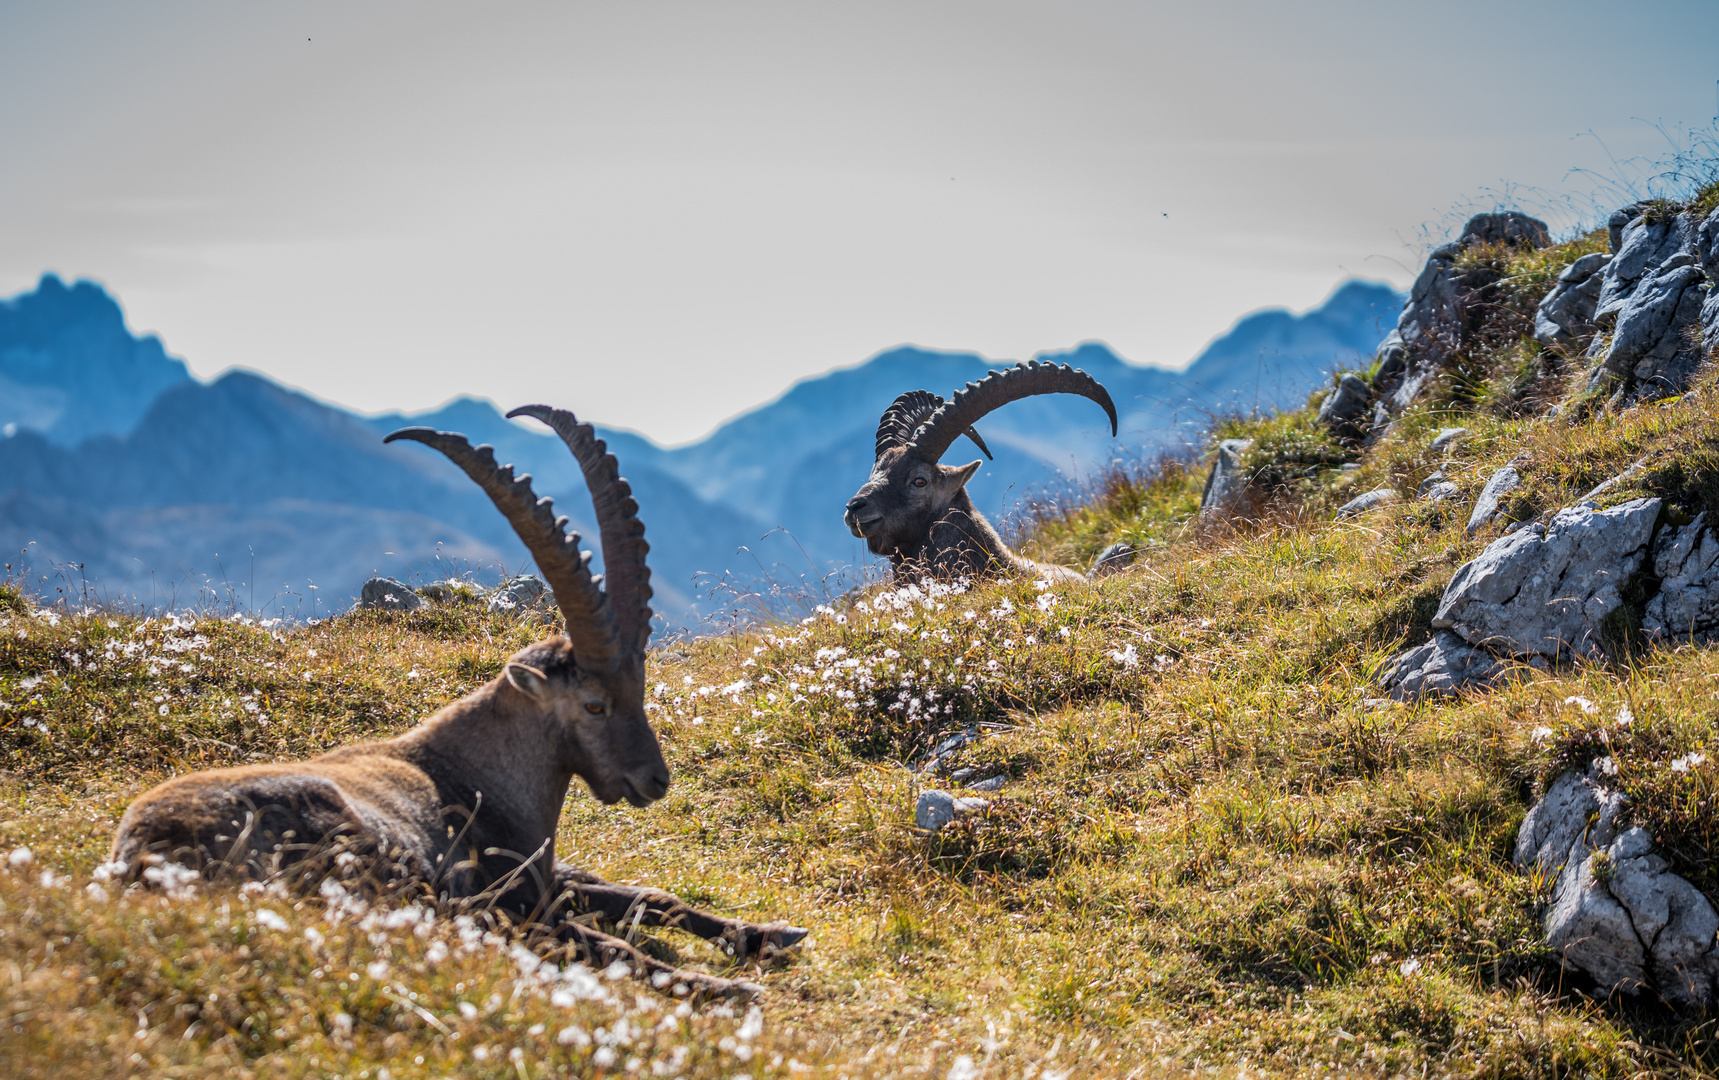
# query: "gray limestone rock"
[1440,668]
[1112,560]
[937,808]
[1615,910]
[1346,406]
[1566,316]
[1707,251]
[1446,438]
[1555,823]
[1509,227]
[1432,323]
[1646,246]
[1656,347]
[1430,326]
[1501,483]
[1226,486]
[526,590]
[1615,226]
[1371,500]
[1545,589]
[386,594]
[1393,359]
[1590,931]
[1438,489]
[1686,561]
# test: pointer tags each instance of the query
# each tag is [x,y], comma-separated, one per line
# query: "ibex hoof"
[786,937]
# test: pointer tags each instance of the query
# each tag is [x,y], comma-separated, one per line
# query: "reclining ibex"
[467,802]
[917,511]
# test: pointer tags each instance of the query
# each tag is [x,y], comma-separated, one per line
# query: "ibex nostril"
[855,504]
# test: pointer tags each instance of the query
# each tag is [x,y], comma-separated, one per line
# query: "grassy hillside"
[1218,847]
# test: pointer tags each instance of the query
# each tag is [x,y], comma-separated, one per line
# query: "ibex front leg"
[599,950]
[629,905]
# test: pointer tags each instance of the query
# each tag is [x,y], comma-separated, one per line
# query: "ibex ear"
[528,680]
[954,478]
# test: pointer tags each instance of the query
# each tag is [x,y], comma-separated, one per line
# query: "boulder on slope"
[1613,908]
[1226,484]
[1686,561]
[1545,589]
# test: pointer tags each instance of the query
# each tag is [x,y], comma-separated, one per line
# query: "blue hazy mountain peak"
[69,367]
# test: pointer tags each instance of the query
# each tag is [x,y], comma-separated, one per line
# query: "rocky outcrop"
[1446,439]
[1613,909]
[1565,318]
[1539,594]
[1442,304]
[1226,485]
[1500,484]
[386,594]
[936,808]
[1440,668]
[1346,408]
[1546,589]
[1657,301]
[1371,500]
[526,590]
[1686,561]
[1437,488]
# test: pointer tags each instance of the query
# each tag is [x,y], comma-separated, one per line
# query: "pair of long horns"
[924,421]
[605,625]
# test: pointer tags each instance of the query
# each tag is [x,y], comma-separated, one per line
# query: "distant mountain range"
[162,488]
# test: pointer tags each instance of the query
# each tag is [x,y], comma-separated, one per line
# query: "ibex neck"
[961,543]
[484,743]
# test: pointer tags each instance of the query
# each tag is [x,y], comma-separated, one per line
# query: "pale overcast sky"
[661,214]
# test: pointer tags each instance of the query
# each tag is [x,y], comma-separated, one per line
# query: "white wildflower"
[1687,761]
[1408,967]
[1583,704]
[1540,734]
[270,920]
[1126,656]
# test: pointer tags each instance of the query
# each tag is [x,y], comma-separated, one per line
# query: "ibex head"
[589,687]
[909,490]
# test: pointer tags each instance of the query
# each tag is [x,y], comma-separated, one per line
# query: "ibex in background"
[917,512]
[468,801]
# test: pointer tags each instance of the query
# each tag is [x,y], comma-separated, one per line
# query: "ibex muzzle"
[916,510]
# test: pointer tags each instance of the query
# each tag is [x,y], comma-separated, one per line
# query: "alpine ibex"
[917,511]
[467,801]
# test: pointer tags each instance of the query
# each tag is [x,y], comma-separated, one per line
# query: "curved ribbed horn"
[904,416]
[625,574]
[998,389]
[591,623]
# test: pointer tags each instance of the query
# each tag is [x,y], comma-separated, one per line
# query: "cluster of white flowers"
[1687,761]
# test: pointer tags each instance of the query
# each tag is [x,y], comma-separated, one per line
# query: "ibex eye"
[595,708]
[919,481]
